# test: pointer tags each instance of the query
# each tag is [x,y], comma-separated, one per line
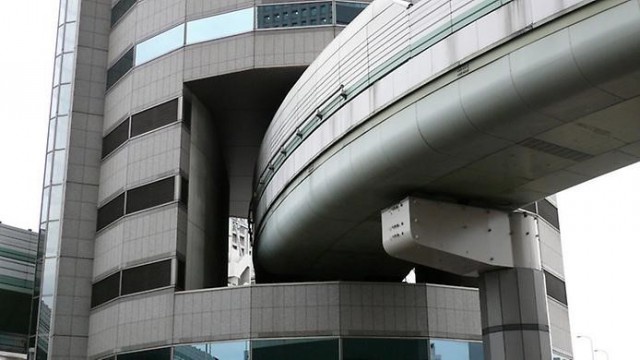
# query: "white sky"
[597,218]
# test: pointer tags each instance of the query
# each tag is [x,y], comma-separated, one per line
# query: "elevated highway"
[491,103]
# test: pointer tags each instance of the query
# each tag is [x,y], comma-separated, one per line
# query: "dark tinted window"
[308,349]
[156,354]
[531,208]
[146,277]
[105,289]
[556,288]
[186,113]
[144,197]
[120,9]
[291,15]
[182,270]
[184,191]
[383,349]
[154,118]
[115,138]
[547,211]
[124,64]
[110,211]
[346,12]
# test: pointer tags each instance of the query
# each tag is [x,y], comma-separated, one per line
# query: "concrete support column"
[515,322]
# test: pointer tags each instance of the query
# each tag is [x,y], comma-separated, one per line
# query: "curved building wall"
[287,311]
[132,175]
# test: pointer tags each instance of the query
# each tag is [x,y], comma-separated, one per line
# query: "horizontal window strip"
[224,25]
[155,354]
[146,277]
[121,67]
[556,287]
[17,255]
[154,118]
[132,280]
[547,211]
[120,9]
[295,14]
[13,282]
[140,198]
[110,212]
[115,138]
[346,11]
[142,123]
[150,195]
[105,289]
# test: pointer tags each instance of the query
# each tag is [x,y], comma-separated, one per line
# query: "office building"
[186,134]
[18,250]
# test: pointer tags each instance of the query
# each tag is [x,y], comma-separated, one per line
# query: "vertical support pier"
[515,321]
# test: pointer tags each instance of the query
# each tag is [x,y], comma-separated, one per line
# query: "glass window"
[120,10]
[61,132]
[69,37]
[150,195]
[56,202]
[455,350]
[45,204]
[555,287]
[219,26]
[59,165]
[154,118]
[115,138]
[146,277]
[67,67]
[60,40]
[120,68]
[294,349]
[47,169]
[110,212]
[346,12]
[547,211]
[64,100]
[160,44]
[236,350]
[49,276]
[184,191]
[285,15]
[156,354]
[52,238]
[105,289]
[72,10]
[61,14]
[46,307]
[56,70]
[54,101]
[52,134]
[384,349]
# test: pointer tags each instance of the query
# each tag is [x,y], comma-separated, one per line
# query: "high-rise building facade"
[18,251]
[158,113]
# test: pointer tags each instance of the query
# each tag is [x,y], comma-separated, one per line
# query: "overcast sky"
[598,218]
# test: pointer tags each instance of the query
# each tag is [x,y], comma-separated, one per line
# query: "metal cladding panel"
[455,238]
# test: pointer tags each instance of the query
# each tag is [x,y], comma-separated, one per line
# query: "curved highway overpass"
[489,103]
